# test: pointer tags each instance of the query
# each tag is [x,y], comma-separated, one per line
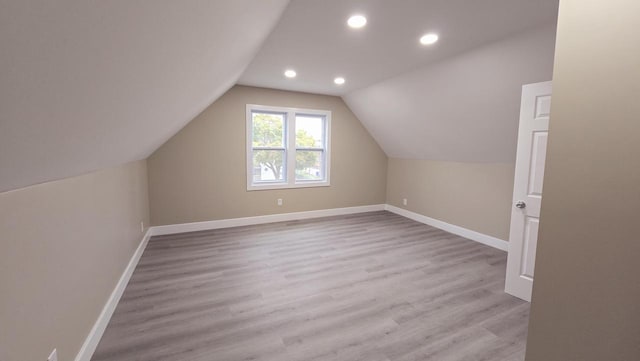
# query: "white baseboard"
[92,340]
[281,217]
[246,221]
[460,231]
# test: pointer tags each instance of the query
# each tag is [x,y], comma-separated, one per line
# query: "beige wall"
[200,173]
[476,196]
[64,246]
[586,296]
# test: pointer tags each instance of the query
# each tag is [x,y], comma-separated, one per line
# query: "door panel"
[536,171]
[543,106]
[529,248]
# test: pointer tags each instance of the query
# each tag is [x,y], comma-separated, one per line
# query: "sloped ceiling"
[463,109]
[313,38]
[86,85]
[457,100]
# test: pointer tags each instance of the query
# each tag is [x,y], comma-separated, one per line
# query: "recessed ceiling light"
[290,73]
[339,80]
[428,39]
[357,21]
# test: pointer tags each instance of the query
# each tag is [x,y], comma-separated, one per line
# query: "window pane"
[268,130]
[309,165]
[268,166]
[309,131]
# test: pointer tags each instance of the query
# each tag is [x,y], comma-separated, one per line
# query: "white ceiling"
[86,85]
[465,108]
[312,37]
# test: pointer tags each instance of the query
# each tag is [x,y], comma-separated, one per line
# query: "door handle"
[520,204]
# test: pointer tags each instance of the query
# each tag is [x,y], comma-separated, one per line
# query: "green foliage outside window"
[268,131]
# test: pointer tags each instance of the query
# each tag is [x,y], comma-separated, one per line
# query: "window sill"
[271,186]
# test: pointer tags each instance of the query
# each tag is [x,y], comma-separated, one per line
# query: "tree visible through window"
[268,145]
[309,147]
[276,158]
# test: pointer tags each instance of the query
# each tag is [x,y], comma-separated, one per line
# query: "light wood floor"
[373,286]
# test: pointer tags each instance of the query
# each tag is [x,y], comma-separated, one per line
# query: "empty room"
[321,180]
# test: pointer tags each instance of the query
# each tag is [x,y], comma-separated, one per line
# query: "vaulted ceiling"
[313,38]
[463,109]
[456,100]
[86,85]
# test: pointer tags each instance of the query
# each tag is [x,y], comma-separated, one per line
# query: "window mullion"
[291,147]
[327,146]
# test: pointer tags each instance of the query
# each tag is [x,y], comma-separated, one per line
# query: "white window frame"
[290,148]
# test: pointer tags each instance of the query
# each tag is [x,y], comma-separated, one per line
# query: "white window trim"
[290,149]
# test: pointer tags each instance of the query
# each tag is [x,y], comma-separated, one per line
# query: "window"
[287,147]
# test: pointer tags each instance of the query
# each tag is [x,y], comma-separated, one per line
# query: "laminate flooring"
[373,286]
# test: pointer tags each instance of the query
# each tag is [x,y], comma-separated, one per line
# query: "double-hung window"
[287,147]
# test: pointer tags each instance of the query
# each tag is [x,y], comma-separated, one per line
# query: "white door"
[527,188]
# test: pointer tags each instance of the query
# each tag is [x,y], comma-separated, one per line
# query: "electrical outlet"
[404,201]
[141,226]
[53,356]
[279,201]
